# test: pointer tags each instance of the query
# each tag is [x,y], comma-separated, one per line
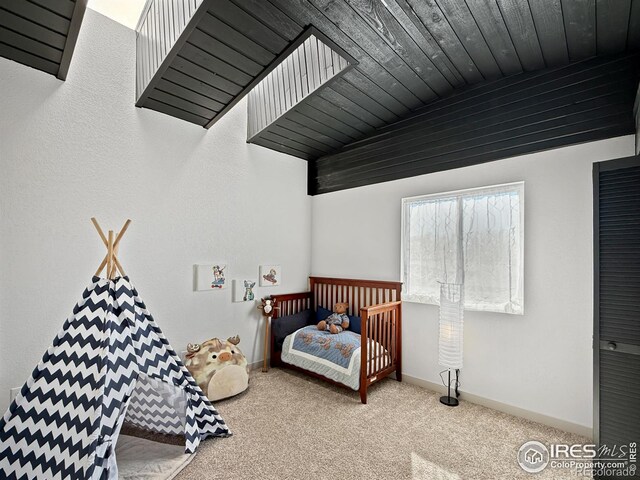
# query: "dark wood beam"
[72,38]
[581,102]
[636,114]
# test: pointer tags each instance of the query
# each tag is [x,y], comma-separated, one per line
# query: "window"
[474,237]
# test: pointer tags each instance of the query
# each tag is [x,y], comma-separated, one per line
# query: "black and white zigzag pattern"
[157,406]
[109,364]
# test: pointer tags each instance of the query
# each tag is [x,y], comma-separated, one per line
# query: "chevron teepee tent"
[110,364]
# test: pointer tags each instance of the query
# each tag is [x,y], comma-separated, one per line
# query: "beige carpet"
[288,426]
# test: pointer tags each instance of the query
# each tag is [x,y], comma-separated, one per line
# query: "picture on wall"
[211,277]
[243,290]
[270,275]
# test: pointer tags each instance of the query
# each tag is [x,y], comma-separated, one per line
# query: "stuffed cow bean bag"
[219,367]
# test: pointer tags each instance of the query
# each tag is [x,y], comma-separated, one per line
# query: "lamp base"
[449,401]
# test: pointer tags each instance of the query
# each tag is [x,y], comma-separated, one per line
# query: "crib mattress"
[335,356]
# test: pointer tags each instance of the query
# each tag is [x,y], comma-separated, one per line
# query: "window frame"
[519,186]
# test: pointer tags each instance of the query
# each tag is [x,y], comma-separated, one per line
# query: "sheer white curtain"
[472,237]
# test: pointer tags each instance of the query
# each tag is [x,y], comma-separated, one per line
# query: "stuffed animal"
[268,306]
[219,367]
[337,321]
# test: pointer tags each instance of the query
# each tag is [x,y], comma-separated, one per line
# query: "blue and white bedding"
[335,356]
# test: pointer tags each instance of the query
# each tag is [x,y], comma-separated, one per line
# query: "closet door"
[617,302]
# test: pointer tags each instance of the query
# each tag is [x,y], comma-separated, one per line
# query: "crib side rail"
[381,346]
[291,303]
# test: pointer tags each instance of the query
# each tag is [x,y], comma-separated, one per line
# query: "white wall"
[539,362]
[72,150]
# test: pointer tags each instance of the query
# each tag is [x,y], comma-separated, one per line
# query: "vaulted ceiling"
[414,52]
[339,79]
[409,53]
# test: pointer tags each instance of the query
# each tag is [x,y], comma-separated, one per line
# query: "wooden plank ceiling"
[550,108]
[415,52]
[225,49]
[636,114]
[311,66]
[409,54]
[41,33]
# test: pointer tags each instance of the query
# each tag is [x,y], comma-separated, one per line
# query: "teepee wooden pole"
[102,265]
[110,254]
[119,267]
[114,251]
[104,240]
[111,258]
[100,232]
[116,264]
[121,233]
[115,248]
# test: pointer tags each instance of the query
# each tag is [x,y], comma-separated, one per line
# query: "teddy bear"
[337,321]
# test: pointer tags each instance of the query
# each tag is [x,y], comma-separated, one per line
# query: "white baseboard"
[505,408]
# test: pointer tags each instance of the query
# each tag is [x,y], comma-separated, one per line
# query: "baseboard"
[505,408]
[255,365]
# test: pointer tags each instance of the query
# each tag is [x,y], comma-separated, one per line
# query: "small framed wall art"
[211,277]
[270,275]
[243,290]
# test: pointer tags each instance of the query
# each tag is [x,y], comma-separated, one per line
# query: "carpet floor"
[289,426]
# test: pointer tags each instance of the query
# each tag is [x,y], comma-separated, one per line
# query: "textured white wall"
[72,150]
[541,361]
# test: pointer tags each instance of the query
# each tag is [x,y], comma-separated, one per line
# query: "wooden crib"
[379,306]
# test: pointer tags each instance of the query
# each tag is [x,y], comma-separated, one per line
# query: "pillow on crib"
[283,326]
[355,324]
[322,314]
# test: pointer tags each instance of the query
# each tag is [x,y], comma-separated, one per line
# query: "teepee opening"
[110,370]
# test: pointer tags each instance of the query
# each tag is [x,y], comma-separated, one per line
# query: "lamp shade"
[451,323]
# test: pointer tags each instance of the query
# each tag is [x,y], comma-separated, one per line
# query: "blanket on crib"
[336,356]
